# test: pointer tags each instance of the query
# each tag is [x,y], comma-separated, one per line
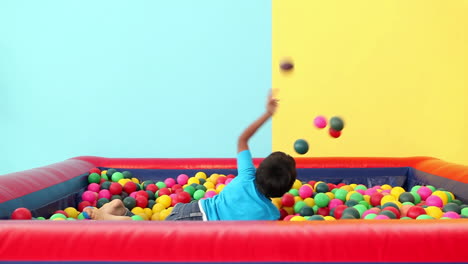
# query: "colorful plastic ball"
[367,212]
[306,211]
[169,182]
[415,211]
[341,194]
[198,194]
[336,123]
[424,192]
[382,217]
[301,146]
[395,211]
[89,196]
[334,133]
[351,211]
[117,176]
[388,213]
[141,201]
[210,194]
[298,205]
[94,178]
[334,203]
[288,217]
[320,122]
[115,188]
[94,187]
[127,174]
[442,195]
[321,199]
[21,213]
[406,197]
[82,205]
[434,200]
[337,212]
[294,192]
[417,197]
[424,217]
[464,211]
[110,171]
[434,211]
[321,187]
[137,218]
[104,194]
[316,218]
[58,215]
[452,207]
[184,197]
[286,65]
[451,215]
[164,191]
[161,185]
[324,211]
[305,191]
[101,202]
[370,216]
[376,198]
[287,200]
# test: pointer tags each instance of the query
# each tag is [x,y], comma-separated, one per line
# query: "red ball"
[115,188]
[178,191]
[288,217]
[95,170]
[174,201]
[394,210]
[61,212]
[375,198]
[83,204]
[176,187]
[338,211]
[21,214]
[143,193]
[283,214]
[130,187]
[331,186]
[312,183]
[152,187]
[184,197]
[334,133]
[231,176]
[141,201]
[164,191]
[341,184]
[415,211]
[221,179]
[287,200]
[323,211]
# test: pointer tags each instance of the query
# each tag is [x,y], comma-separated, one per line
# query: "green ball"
[54,216]
[341,194]
[357,197]
[452,207]
[105,185]
[81,217]
[117,176]
[190,189]
[104,176]
[415,188]
[101,202]
[408,203]
[298,206]
[348,216]
[315,208]
[464,211]
[387,204]
[294,192]
[198,194]
[321,200]
[431,187]
[334,191]
[321,187]
[202,181]
[424,217]
[406,197]
[71,219]
[137,218]
[336,123]
[361,209]
[110,172]
[301,146]
[129,202]
[406,218]
[40,218]
[316,217]
[306,211]
[151,195]
[457,202]
[351,211]
[94,178]
[161,184]
[417,197]
[351,203]
[116,196]
[366,204]
[146,183]
[370,216]
[449,196]
[360,187]
[127,174]
[151,203]
[201,187]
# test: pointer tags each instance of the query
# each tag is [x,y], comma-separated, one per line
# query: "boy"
[246,197]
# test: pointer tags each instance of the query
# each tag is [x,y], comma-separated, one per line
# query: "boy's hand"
[272,104]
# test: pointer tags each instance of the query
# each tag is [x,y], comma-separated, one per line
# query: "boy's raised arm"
[242,143]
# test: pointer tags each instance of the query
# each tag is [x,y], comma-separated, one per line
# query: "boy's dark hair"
[276,174]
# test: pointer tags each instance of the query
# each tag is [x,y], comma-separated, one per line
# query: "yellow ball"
[165,200]
[135,180]
[349,195]
[297,218]
[213,178]
[386,187]
[123,181]
[366,198]
[442,195]
[297,199]
[209,185]
[193,180]
[329,218]
[158,207]
[148,212]
[309,201]
[155,217]
[330,195]
[104,172]
[165,213]
[434,211]
[138,210]
[71,212]
[290,210]
[347,188]
[144,216]
[201,175]
[277,202]
[387,198]
[353,185]
[396,191]
[297,184]
[220,188]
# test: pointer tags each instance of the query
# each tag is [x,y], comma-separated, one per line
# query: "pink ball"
[89,196]
[104,194]
[94,187]
[361,191]
[210,194]
[305,191]
[424,192]
[434,200]
[370,211]
[170,182]
[320,122]
[133,194]
[370,191]
[452,215]
[381,217]
[334,203]
[173,196]
[182,179]
[228,181]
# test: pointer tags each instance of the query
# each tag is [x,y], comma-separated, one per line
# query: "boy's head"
[276,174]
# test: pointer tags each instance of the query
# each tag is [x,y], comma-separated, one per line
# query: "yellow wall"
[396,71]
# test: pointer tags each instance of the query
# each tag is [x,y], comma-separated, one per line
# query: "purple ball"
[320,122]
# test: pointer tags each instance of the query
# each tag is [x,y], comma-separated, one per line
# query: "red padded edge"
[312,241]
[230,163]
[17,184]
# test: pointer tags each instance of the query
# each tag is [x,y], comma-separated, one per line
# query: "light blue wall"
[131,78]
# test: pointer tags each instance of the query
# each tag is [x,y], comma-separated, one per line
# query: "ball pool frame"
[57,186]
